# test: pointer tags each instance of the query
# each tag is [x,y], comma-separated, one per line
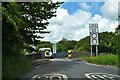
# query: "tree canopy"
[35,16]
[64,45]
[23,21]
[108,43]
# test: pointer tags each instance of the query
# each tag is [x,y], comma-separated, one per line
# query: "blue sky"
[74,6]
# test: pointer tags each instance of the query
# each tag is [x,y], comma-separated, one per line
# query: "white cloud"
[96,18]
[76,26]
[86,0]
[104,24]
[60,0]
[107,25]
[110,10]
[84,6]
[68,26]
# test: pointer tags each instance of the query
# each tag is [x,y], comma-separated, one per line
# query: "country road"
[71,69]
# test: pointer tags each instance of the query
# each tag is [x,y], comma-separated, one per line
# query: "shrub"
[14,67]
[109,59]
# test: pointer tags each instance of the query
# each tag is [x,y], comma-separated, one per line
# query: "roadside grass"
[109,59]
[15,67]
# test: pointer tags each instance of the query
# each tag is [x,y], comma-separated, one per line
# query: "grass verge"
[15,67]
[109,59]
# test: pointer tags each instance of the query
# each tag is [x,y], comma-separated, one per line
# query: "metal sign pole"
[91,50]
[96,50]
[55,48]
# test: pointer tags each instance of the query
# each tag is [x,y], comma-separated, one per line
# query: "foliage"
[12,43]
[20,23]
[109,59]
[117,39]
[107,43]
[25,20]
[35,16]
[43,44]
[65,44]
[106,40]
[14,67]
[83,45]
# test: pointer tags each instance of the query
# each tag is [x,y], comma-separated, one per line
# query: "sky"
[73,19]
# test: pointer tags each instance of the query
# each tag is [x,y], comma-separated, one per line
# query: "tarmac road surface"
[72,69]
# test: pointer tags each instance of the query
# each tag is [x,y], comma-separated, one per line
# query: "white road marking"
[93,64]
[87,75]
[100,76]
[93,76]
[60,59]
[33,78]
[64,76]
[79,62]
[38,66]
[51,76]
[110,78]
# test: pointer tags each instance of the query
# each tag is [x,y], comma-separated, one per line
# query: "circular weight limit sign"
[94,41]
[102,76]
[94,35]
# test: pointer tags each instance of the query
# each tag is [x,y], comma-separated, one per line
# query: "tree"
[83,45]
[64,45]
[19,24]
[35,16]
[107,43]
[11,21]
[43,44]
[117,39]
[22,21]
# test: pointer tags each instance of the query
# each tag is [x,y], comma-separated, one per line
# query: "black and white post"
[93,28]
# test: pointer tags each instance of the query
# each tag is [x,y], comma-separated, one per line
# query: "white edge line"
[93,64]
[38,66]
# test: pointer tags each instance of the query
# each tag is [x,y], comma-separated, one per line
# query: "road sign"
[94,41]
[93,33]
[93,28]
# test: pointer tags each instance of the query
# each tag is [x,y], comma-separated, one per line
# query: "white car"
[47,49]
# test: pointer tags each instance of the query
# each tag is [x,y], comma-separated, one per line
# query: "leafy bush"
[109,59]
[15,67]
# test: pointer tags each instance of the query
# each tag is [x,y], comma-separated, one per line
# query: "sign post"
[93,28]
[91,50]
[54,48]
